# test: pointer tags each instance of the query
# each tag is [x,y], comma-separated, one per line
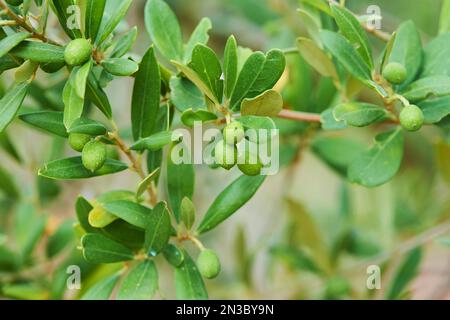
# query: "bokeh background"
[300,212]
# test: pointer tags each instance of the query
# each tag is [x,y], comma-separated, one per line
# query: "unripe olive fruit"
[225,155]
[208,264]
[94,155]
[14,2]
[249,163]
[77,52]
[77,141]
[233,133]
[395,73]
[411,118]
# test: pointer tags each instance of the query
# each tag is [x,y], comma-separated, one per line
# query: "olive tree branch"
[23,23]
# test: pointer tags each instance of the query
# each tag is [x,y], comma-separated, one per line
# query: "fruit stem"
[402,99]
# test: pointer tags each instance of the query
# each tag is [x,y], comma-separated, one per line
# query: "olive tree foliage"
[177,82]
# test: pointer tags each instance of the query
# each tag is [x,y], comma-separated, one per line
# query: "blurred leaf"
[405,274]
[120,67]
[141,282]
[267,104]
[442,158]
[72,168]
[347,55]
[318,59]
[445,241]
[59,240]
[295,258]
[444,22]
[102,290]
[146,96]
[433,64]
[28,229]
[7,185]
[378,165]
[164,29]
[359,114]
[407,50]
[26,291]
[230,66]
[158,228]
[7,145]
[180,180]
[435,86]
[229,201]
[198,36]
[188,281]
[259,73]
[10,104]
[9,261]
[100,249]
[93,19]
[351,28]
[133,213]
[49,121]
[189,117]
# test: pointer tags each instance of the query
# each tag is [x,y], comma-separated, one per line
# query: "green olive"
[395,73]
[225,155]
[94,155]
[411,118]
[208,264]
[77,52]
[233,133]
[77,141]
[250,164]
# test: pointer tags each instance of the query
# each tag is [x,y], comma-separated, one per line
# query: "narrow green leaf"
[185,95]
[103,289]
[39,52]
[88,126]
[180,181]
[146,96]
[100,249]
[144,184]
[124,43]
[444,21]
[187,212]
[189,117]
[164,29]
[73,103]
[378,165]
[60,240]
[66,12]
[93,19]
[229,201]
[421,89]
[318,59]
[154,142]
[28,229]
[436,109]
[347,55]
[230,66]
[188,281]
[8,43]
[96,95]
[48,121]
[267,104]
[405,274]
[352,30]
[80,79]
[141,282]
[312,24]
[11,102]
[199,36]
[359,114]
[9,147]
[133,213]
[72,168]
[120,67]
[158,230]
[7,185]
[108,25]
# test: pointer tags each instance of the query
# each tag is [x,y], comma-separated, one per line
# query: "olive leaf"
[230,66]
[11,102]
[268,104]
[140,283]
[87,126]
[198,36]
[100,249]
[435,86]
[103,289]
[8,43]
[257,123]
[116,11]
[259,73]
[187,209]
[189,284]
[189,117]
[93,17]
[405,274]
[158,230]
[312,24]
[48,121]
[329,122]
[378,165]
[120,67]
[124,43]
[7,185]
[146,96]
[229,201]
[39,52]
[154,142]
[144,184]
[351,29]
[60,239]
[164,29]
[185,95]
[72,168]
[433,63]
[435,109]
[73,102]
[9,147]
[96,95]
[180,180]
[64,10]
[318,59]
[359,114]
[133,213]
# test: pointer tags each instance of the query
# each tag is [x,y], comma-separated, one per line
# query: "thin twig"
[299,116]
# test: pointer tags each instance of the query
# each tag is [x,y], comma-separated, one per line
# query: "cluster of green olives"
[208,264]
[411,117]
[93,152]
[227,155]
